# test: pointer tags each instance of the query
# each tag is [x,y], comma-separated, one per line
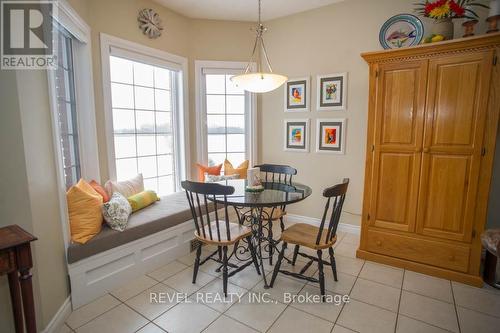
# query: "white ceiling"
[241,10]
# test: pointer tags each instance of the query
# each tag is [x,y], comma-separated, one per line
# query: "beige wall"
[13,165]
[28,171]
[323,41]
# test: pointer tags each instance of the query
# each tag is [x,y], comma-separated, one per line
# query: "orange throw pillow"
[99,189]
[241,170]
[213,170]
[84,208]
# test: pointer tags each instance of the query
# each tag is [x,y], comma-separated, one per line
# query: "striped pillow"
[142,199]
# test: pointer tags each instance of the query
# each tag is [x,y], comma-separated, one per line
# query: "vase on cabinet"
[443,27]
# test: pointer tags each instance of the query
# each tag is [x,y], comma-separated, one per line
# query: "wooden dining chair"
[275,173]
[213,229]
[315,238]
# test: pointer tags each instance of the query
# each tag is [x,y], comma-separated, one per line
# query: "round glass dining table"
[255,210]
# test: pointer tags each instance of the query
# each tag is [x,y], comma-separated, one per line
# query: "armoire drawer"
[455,257]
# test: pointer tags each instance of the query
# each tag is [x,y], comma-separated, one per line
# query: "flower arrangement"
[449,9]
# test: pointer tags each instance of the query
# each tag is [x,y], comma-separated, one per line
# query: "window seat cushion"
[170,211]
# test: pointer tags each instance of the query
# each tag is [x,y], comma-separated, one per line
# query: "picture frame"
[296,135]
[332,92]
[330,135]
[297,92]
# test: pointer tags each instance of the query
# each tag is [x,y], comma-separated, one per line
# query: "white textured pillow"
[127,187]
[213,178]
[116,211]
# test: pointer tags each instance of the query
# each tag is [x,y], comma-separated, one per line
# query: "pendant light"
[260,81]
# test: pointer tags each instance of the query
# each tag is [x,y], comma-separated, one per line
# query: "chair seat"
[277,212]
[236,230]
[305,235]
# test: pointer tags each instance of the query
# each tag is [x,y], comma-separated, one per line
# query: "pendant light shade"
[260,81]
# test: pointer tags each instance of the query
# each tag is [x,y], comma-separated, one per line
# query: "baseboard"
[59,318]
[344,227]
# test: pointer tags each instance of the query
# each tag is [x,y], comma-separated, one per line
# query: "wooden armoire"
[432,125]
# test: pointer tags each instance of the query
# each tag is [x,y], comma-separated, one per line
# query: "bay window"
[145,113]
[225,115]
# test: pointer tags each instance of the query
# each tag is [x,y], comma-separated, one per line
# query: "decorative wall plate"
[401,31]
[150,23]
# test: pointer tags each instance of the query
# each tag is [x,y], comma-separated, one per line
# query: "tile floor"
[382,299]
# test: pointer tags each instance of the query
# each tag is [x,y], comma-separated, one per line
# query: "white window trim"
[201,119]
[84,89]
[149,54]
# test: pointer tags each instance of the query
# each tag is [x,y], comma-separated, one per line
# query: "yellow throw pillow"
[241,170]
[84,209]
[142,200]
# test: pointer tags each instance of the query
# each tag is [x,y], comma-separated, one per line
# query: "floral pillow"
[116,211]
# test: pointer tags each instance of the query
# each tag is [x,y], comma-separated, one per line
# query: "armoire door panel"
[446,183]
[397,141]
[395,194]
[453,136]
[456,102]
[454,106]
[400,104]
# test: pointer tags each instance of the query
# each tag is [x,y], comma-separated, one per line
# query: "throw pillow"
[116,211]
[127,187]
[99,189]
[142,200]
[213,179]
[240,170]
[213,170]
[84,210]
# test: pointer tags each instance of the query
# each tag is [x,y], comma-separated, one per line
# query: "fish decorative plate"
[401,31]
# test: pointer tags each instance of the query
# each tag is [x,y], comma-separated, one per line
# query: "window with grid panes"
[225,112]
[66,107]
[143,130]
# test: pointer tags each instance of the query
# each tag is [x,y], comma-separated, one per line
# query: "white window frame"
[85,106]
[111,45]
[223,67]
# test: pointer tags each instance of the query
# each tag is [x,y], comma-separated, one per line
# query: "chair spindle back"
[336,195]
[201,208]
[276,173]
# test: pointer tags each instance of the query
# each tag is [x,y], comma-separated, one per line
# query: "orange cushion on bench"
[84,208]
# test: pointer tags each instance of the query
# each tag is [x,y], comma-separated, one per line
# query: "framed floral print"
[330,136]
[297,135]
[297,95]
[332,92]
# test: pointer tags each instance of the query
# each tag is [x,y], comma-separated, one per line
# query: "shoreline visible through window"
[225,119]
[143,123]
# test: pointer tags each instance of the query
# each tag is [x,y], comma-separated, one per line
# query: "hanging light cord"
[259,40]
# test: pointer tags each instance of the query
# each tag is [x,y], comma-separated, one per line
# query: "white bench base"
[93,277]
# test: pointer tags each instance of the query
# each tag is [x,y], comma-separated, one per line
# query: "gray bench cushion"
[170,211]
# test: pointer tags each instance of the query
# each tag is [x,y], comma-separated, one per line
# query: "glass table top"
[274,194]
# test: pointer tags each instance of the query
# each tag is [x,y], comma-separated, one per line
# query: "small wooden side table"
[16,262]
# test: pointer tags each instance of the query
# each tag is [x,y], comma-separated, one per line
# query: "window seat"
[154,236]
[170,211]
